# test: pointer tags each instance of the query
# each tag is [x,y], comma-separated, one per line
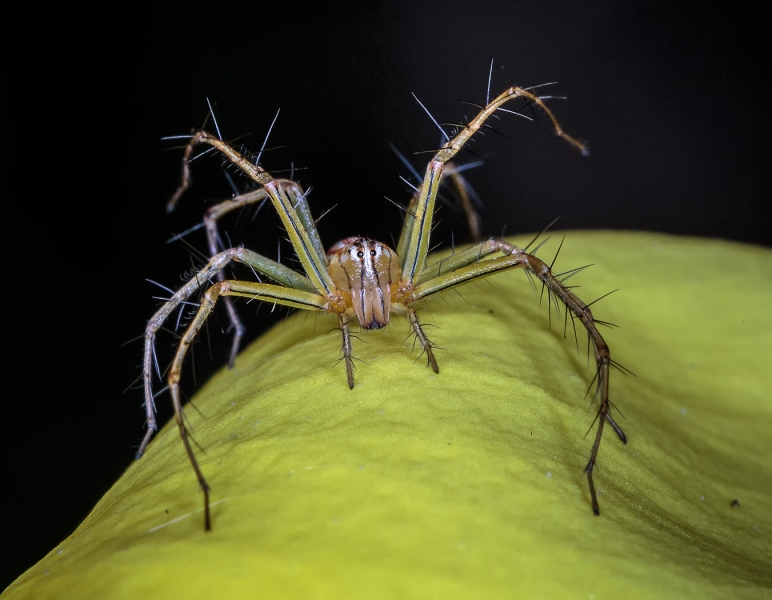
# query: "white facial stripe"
[371,261]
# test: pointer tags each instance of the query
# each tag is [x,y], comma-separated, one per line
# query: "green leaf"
[469,484]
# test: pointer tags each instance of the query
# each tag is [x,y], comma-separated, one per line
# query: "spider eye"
[360,254]
[372,252]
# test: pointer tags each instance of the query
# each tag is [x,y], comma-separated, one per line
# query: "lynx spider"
[358,278]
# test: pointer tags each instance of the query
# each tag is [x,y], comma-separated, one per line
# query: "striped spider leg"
[214,268]
[359,278]
[216,212]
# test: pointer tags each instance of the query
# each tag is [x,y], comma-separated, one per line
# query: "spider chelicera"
[357,279]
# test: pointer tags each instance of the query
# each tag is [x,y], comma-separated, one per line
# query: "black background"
[671,100]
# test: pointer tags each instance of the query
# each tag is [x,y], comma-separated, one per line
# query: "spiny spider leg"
[213,238]
[516,258]
[298,225]
[465,196]
[414,240]
[462,189]
[216,212]
[203,278]
[343,322]
[427,345]
[256,291]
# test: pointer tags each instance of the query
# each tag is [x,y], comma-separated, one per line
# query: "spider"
[357,279]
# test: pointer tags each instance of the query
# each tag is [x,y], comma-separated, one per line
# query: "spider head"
[369,271]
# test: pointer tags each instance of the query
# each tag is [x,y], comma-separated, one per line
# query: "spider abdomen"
[369,271]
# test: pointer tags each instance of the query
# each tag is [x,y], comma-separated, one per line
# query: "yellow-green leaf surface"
[469,484]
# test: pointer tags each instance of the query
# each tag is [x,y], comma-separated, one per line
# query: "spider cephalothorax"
[357,278]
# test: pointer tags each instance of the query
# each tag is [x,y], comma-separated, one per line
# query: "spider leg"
[277,190]
[211,217]
[179,417]
[465,192]
[412,317]
[464,196]
[516,258]
[461,259]
[418,222]
[216,212]
[298,200]
[203,278]
[258,291]
[347,356]
[294,215]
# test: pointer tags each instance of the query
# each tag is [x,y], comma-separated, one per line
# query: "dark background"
[671,100]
